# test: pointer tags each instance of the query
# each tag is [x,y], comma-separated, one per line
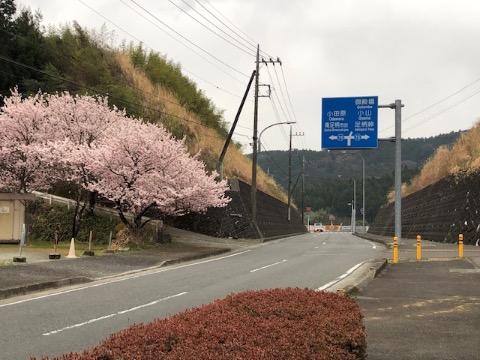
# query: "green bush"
[43,219]
[266,324]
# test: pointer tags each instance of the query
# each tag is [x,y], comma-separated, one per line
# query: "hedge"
[266,324]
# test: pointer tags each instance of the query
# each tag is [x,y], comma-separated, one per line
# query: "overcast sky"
[424,52]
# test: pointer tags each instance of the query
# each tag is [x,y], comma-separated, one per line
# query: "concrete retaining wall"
[235,219]
[438,212]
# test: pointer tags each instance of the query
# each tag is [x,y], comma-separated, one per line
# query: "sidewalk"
[428,309]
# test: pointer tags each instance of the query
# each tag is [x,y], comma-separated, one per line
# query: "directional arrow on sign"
[349,137]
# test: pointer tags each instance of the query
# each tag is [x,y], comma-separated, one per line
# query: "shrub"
[44,217]
[266,324]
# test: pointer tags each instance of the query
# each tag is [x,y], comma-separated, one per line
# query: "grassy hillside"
[144,83]
[460,158]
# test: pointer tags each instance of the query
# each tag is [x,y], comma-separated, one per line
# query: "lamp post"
[354,209]
[269,126]
[363,189]
[353,202]
[351,216]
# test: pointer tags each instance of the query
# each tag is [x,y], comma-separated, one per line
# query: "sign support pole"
[398,165]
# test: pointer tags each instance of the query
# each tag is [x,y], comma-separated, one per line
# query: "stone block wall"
[439,212]
[235,220]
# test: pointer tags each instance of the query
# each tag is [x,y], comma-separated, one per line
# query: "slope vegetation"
[144,83]
[462,158]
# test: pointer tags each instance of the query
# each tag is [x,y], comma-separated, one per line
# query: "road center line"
[112,315]
[267,266]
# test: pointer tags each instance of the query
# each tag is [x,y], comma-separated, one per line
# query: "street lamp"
[363,189]
[354,210]
[351,216]
[269,126]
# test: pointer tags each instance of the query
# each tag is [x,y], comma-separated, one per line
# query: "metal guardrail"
[99,210]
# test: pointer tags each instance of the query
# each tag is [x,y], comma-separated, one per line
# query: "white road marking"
[374,246]
[112,315]
[326,286]
[267,266]
[114,280]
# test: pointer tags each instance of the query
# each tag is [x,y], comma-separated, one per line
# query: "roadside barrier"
[419,248]
[395,249]
[460,245]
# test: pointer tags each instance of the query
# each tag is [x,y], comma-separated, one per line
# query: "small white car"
[317,227]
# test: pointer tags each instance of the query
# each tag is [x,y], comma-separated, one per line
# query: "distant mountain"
[329,174]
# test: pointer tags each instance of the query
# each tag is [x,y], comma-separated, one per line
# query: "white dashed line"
[112,315]
[267,266]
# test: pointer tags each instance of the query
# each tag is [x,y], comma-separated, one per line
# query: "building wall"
[12,215]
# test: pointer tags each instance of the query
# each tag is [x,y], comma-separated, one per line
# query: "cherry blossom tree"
[77,123]
[138,166]
[22,135]
[141,167]
[42,136]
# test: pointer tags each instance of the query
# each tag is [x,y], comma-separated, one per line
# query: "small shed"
[12,215]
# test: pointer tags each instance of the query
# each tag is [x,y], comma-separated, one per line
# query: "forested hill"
[327,191]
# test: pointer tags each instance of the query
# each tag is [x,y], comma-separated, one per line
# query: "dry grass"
[463,158]
[199,138]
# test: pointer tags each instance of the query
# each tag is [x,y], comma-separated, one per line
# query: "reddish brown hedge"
[266,324]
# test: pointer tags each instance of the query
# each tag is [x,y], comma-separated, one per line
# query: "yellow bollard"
[395,250]
[460,245]
[419,247]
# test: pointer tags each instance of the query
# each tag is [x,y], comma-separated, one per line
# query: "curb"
[27,289]
[24,290]
[195,257]
[365,273]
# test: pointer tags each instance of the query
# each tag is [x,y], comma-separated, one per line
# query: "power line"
[281,92]
[249,52]
[272,160]
[437,103]
[106,95]
[250,40]
[188,40]
[444,110]
[153,50]
[74,60]
[253,44]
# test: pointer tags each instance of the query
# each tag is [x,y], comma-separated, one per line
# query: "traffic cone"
[71,252]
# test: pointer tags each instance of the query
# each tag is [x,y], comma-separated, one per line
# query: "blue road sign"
[350,122]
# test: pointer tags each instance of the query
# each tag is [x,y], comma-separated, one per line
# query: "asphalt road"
[72,319]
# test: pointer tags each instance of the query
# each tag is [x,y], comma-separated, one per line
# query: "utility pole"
[255,132]
[289,175]
[289,195]
[303,188]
